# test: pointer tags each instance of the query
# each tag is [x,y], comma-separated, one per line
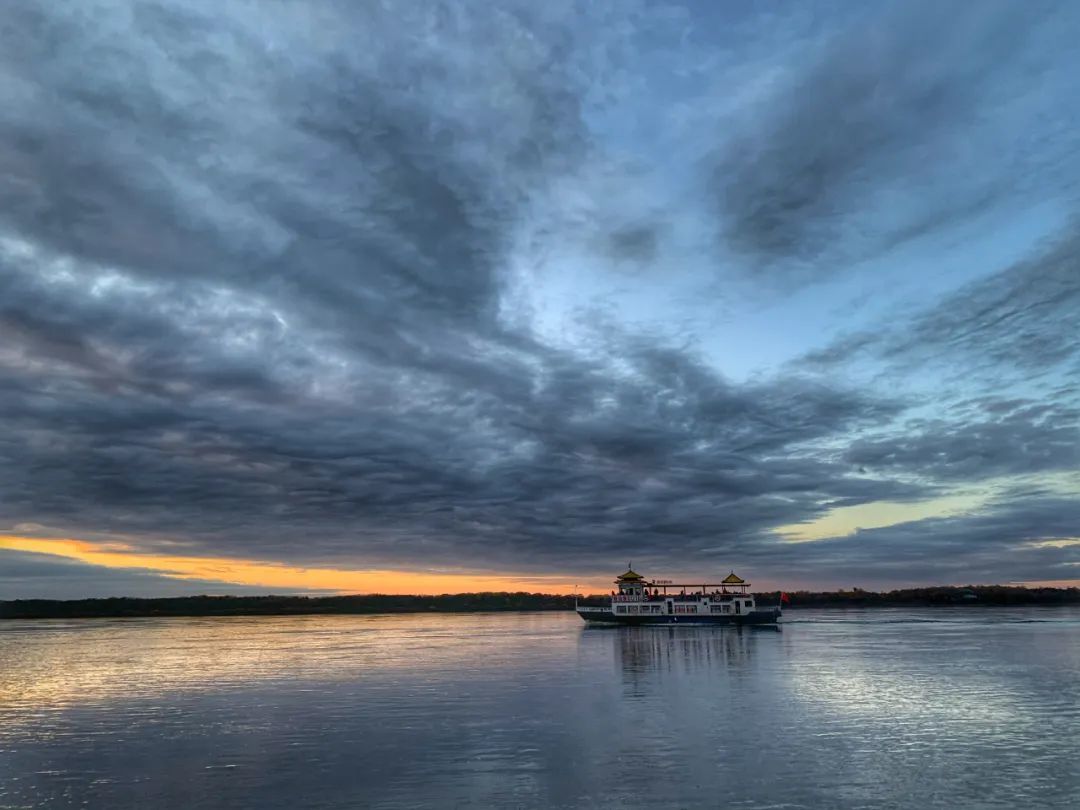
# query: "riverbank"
[121,607]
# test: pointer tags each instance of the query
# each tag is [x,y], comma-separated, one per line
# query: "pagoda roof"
[630,576]
[732,579]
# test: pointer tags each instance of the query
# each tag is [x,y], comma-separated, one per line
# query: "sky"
[431,297]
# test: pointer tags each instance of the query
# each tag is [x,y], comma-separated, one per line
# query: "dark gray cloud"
[637,243]
[253,302]
[895,122]
[1013,323]
[987,440]
[579,460]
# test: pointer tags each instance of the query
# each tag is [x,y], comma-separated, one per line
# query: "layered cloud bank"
[517,292]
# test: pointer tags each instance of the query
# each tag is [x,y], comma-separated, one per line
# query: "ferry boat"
[640,601]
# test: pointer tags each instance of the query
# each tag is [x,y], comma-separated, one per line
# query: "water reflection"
[63,664]
[539,710]
[645,654]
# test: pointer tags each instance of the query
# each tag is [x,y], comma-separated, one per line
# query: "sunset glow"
[291,578]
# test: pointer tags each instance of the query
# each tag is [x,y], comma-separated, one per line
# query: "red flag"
[784,598]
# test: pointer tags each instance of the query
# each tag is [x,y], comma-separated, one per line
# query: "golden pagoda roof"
[731,579]
[630,576]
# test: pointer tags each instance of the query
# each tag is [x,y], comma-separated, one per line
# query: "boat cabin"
[636,595]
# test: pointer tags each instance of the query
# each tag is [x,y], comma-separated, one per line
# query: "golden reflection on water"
[61,664]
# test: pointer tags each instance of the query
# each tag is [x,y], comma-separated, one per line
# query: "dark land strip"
[974,595]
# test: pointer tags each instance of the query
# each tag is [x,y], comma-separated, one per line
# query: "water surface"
[966,707]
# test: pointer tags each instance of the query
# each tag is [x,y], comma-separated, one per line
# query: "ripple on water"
[965,708]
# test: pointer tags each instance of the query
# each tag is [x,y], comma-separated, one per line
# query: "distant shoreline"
[194,606]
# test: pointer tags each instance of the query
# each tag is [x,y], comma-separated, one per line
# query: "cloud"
[894,123]
[258,267]
[992,439]
[1011,323]
[572,459]
[253,312]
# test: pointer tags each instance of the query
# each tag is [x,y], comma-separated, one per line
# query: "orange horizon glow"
[265,574]
[292,578]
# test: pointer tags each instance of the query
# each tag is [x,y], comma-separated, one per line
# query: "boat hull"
[761,616]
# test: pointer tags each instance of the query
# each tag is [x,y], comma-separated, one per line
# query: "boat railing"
[679,597]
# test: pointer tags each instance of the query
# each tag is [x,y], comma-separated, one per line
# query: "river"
[966,707]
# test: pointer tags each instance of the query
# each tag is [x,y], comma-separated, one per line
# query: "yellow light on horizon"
[1055,542]
[847,520]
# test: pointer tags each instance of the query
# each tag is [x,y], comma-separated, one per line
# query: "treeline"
[940,595]
[483,602]
[283,605]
